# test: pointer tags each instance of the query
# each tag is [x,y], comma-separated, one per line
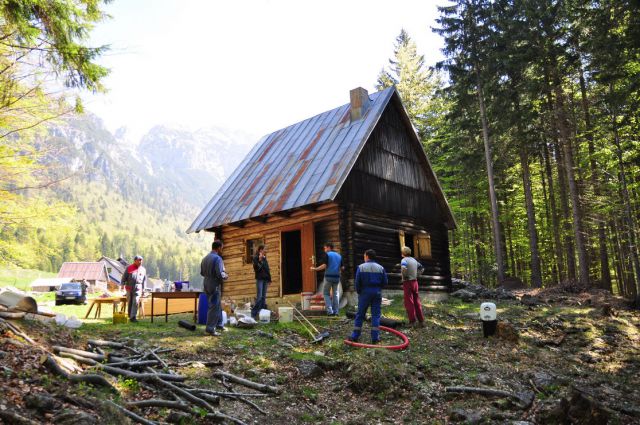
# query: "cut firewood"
[245,382]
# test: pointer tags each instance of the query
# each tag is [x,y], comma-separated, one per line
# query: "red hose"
[405,341]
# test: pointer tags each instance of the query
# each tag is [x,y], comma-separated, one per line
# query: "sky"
[250,65]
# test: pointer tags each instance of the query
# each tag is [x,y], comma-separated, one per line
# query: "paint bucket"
[285,314]
[119,318]
[306,300]
[264,316]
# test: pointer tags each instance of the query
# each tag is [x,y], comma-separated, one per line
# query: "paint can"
[306,300]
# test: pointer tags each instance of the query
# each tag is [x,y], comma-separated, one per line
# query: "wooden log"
[170,404]
[245,382]
[11,417]
[123,372]
[185,394]
[137,418]
[86,354]
[98,380]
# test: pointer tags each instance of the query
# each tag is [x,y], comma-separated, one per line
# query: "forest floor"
[564,358]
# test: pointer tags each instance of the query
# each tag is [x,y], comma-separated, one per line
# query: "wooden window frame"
[417,237]
[426,237]
[248,257]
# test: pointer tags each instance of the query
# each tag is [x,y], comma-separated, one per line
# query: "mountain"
[166,167]
[120,196]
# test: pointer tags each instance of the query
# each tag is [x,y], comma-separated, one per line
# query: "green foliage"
[559,85]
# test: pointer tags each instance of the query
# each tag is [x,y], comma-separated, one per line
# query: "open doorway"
[291,262]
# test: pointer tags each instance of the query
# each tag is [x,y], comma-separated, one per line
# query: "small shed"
[49,284]
[356,175]
[115,270]
[95,273]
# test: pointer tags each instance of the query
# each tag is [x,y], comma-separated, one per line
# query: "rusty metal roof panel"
[298,165]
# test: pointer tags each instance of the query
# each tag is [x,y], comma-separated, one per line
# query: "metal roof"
[305,163]
[83,270]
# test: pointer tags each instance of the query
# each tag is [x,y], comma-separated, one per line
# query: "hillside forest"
[530,122]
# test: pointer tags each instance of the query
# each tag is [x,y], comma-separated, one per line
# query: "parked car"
[71,292]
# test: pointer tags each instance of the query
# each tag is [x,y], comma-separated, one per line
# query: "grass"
[449,351]
[21,278]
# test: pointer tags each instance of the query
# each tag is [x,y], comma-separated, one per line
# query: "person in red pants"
[411,268]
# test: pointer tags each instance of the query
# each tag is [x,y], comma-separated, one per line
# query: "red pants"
[412,301]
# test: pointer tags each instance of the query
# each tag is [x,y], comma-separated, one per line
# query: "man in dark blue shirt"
[332,267]
[370,279]
[212,269]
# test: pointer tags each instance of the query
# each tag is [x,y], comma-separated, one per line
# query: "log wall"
[380,231]
[241,283]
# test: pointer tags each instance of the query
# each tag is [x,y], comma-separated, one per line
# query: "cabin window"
[108,269]
[251,249]
[422,245]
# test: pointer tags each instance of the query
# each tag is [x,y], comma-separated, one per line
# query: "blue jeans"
[261,297]
[214,313]
[331,302]
[368,297]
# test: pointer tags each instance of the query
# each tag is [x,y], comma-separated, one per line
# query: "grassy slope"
[371,386]
[21,278]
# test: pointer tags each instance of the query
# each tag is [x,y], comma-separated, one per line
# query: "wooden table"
[176,295]
[108,300]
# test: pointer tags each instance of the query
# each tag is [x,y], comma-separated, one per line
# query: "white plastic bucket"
[488,311]
[306,300]
[264,316]
[285,314]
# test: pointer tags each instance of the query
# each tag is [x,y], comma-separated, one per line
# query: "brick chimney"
[359,103]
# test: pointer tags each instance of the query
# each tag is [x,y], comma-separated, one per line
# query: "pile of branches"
[102,361]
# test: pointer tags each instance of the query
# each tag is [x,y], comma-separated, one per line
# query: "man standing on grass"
[370,279]
[263,279]
[133,279]
[212,269]
[410,270]
[331,282]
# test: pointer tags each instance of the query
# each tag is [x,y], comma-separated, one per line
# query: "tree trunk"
[492,190]
[564,203]
[536,276]
[557,245]
[605,273]
[628,216]
[565,142]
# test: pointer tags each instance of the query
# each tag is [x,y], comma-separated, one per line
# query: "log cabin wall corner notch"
[356,175]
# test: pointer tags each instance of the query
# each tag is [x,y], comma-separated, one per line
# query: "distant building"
[47,284]
[95,273]
[357,176]
[115,270]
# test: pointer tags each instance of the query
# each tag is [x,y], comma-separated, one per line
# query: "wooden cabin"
[95,273]
[356,175]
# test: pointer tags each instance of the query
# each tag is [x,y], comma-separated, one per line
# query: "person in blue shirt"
[370,279]
[332,267]
[212,269]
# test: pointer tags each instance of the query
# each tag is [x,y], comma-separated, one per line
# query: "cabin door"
[298,255]
[308,258]
[291,262]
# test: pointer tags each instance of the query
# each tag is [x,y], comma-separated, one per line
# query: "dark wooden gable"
[391,174]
